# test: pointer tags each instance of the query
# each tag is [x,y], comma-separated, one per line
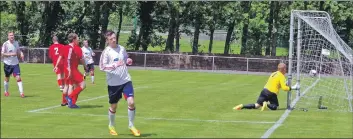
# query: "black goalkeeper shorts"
[266,95]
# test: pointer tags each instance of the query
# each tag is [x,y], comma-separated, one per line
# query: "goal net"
[321,62]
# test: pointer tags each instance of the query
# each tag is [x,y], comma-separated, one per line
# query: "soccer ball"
[312,73]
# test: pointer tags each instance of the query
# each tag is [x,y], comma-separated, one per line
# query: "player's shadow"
[91,106]
[142,135]
[29,96]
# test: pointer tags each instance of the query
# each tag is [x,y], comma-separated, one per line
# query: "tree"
[145,9]
[270,27]
[50,17]
[194,15]
[106,10]
[94,26]
[231,15]
[22,22]
[215,18]
[172,25]
[275,18]
[246,9]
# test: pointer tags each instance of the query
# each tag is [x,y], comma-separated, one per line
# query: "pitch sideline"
[95,98]
[165,119]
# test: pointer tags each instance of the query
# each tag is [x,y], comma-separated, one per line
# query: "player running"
[275,82]
[54,55]
[87,54]
[72,55]
[54,50]
[113,61]
[10,52]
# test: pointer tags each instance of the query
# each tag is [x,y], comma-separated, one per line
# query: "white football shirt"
[114,75]
[9,47]
[87,54]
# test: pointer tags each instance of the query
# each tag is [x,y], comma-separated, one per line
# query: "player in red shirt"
[54,55]
[63,54]
[71,57]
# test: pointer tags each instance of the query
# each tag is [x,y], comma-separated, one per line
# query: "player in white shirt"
[87,55]
[9,52]
[113,61]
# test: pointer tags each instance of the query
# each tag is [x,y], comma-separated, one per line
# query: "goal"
[321,62]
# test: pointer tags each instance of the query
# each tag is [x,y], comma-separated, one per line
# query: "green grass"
[172,96]
[218,46]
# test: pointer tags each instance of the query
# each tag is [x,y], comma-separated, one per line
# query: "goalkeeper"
[275,82]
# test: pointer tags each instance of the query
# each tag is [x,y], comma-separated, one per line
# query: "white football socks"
[20,87]
[131,115]
[111,117]
[6,86]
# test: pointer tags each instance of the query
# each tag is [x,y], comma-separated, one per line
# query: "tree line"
[257,25]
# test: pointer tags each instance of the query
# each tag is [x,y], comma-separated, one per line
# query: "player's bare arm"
[20,53]
[57,63]
[8,54]
[69,71]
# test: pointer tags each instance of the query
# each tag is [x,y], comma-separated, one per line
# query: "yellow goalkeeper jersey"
[276,81]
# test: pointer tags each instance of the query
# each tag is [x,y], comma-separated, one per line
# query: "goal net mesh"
[321,50]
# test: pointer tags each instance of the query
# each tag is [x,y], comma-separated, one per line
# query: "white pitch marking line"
[56,106]
[269,132]
[166,119]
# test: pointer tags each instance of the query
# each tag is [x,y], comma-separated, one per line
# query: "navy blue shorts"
[115,92]
[266,95]
[90,67]
[12,69]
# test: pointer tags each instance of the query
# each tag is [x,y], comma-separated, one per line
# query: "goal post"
[321,62]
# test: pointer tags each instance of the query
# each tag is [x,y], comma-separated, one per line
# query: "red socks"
[64,99]
[74,94]
[60,82]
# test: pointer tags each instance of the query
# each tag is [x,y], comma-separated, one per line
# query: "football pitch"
[169,104]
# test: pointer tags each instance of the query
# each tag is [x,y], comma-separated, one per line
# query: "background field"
[185,46]
[169,104]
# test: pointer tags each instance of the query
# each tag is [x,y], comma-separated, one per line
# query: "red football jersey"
[54,51]
[76,57]
[65,53]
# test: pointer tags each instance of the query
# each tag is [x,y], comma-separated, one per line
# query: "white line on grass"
[286,113]
[56,106]
[165,119]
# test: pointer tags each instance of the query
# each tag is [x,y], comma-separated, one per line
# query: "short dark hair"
[72,36]
[109,33]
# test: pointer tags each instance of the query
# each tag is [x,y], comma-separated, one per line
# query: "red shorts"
[60,70]
[76,77]
[66,73]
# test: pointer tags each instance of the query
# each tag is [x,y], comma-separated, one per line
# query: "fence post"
[144,61]
[45,53]
[247,65]
[213,63]
[179,61]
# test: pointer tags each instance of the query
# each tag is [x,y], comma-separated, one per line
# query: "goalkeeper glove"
[295,87]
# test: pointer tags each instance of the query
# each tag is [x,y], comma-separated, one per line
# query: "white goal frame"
[295,20]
